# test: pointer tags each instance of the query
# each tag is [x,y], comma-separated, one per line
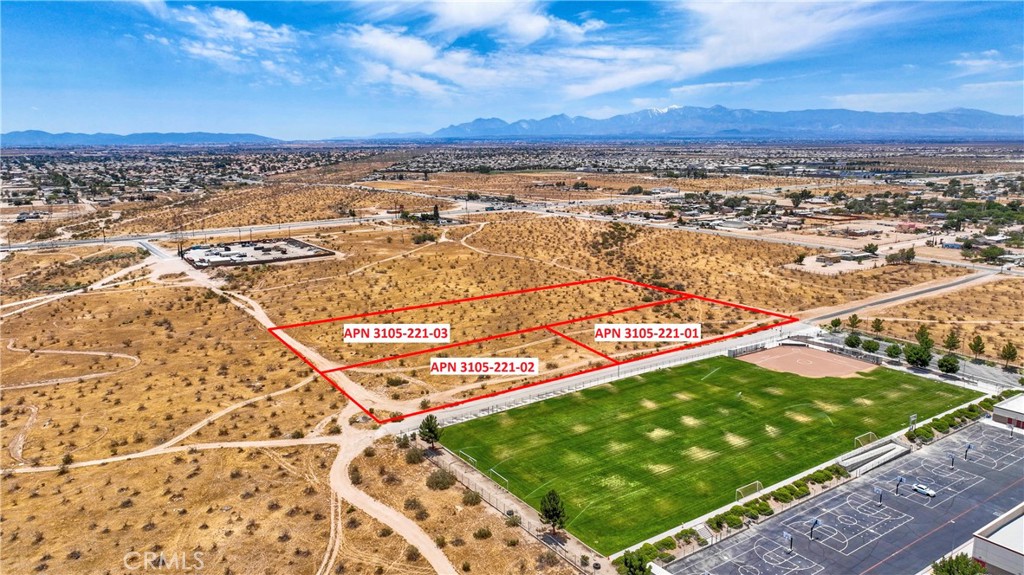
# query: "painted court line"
[709,374]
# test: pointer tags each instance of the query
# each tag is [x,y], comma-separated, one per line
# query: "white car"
[924,489]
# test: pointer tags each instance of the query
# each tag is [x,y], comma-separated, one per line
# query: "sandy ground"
[807,362]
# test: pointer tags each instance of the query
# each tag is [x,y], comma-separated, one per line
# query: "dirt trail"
[18,442]
[134,359]
[354,443]
[513,256]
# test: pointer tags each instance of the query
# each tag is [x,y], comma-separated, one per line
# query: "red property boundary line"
[784,320]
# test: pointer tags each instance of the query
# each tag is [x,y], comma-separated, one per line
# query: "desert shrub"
[402,442]
[548,559]
[470,497]
[412,554]
[369,451]
[354,475]
[482,533]
[440,480]
[413,503]
[513,520]
[414,456]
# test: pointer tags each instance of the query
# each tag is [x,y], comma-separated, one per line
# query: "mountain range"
[37,138]
[718,121]
[655,123]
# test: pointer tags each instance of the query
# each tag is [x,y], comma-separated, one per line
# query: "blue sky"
[299,70]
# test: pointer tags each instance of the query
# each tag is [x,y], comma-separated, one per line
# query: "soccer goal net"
[864,439]
[748,490]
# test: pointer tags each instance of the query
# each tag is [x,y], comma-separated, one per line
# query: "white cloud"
[691,89]
[218,53]
[391,45]
[157,39]
[522,22]
[404,81]
[225,37]
[972,63]
[731,34]
[283,71]
[234,26]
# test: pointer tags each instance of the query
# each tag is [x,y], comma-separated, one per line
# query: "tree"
[1008,353]
[430,430]
[991,254]
[798,197]
[552,511]
[871,248]
[905,256]
[437,213]
[799,259]
[952,341]
[854,321]
[959,564]
[870,345]
[918,355]
[894,351]
[877,325]
[949,364]
[977,346]
[634,564]
[924,338]
[836,323]
[852,340]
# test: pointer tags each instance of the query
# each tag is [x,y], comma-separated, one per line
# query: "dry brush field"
[175,355]
[244,510]
[40,272]
[992,310]
[454,524]
[541,185]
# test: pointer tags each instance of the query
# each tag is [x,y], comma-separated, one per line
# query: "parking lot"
[906,532]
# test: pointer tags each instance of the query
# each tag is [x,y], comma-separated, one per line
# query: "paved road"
[911,295]
[905,534]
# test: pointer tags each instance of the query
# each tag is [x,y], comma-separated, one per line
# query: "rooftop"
[1006,531]
[1015,403]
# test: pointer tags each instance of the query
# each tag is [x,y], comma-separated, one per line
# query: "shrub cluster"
[440,480]
[688,535]
[734,516]
[926,431]
[823,476]
[647,552]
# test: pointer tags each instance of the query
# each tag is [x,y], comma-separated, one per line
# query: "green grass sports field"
[642,455]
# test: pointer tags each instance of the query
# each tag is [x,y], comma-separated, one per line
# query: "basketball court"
[807,362]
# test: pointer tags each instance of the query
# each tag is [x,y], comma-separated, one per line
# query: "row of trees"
[920,355]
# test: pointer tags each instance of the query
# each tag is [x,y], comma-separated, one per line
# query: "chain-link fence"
[492,488]
[570,385]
